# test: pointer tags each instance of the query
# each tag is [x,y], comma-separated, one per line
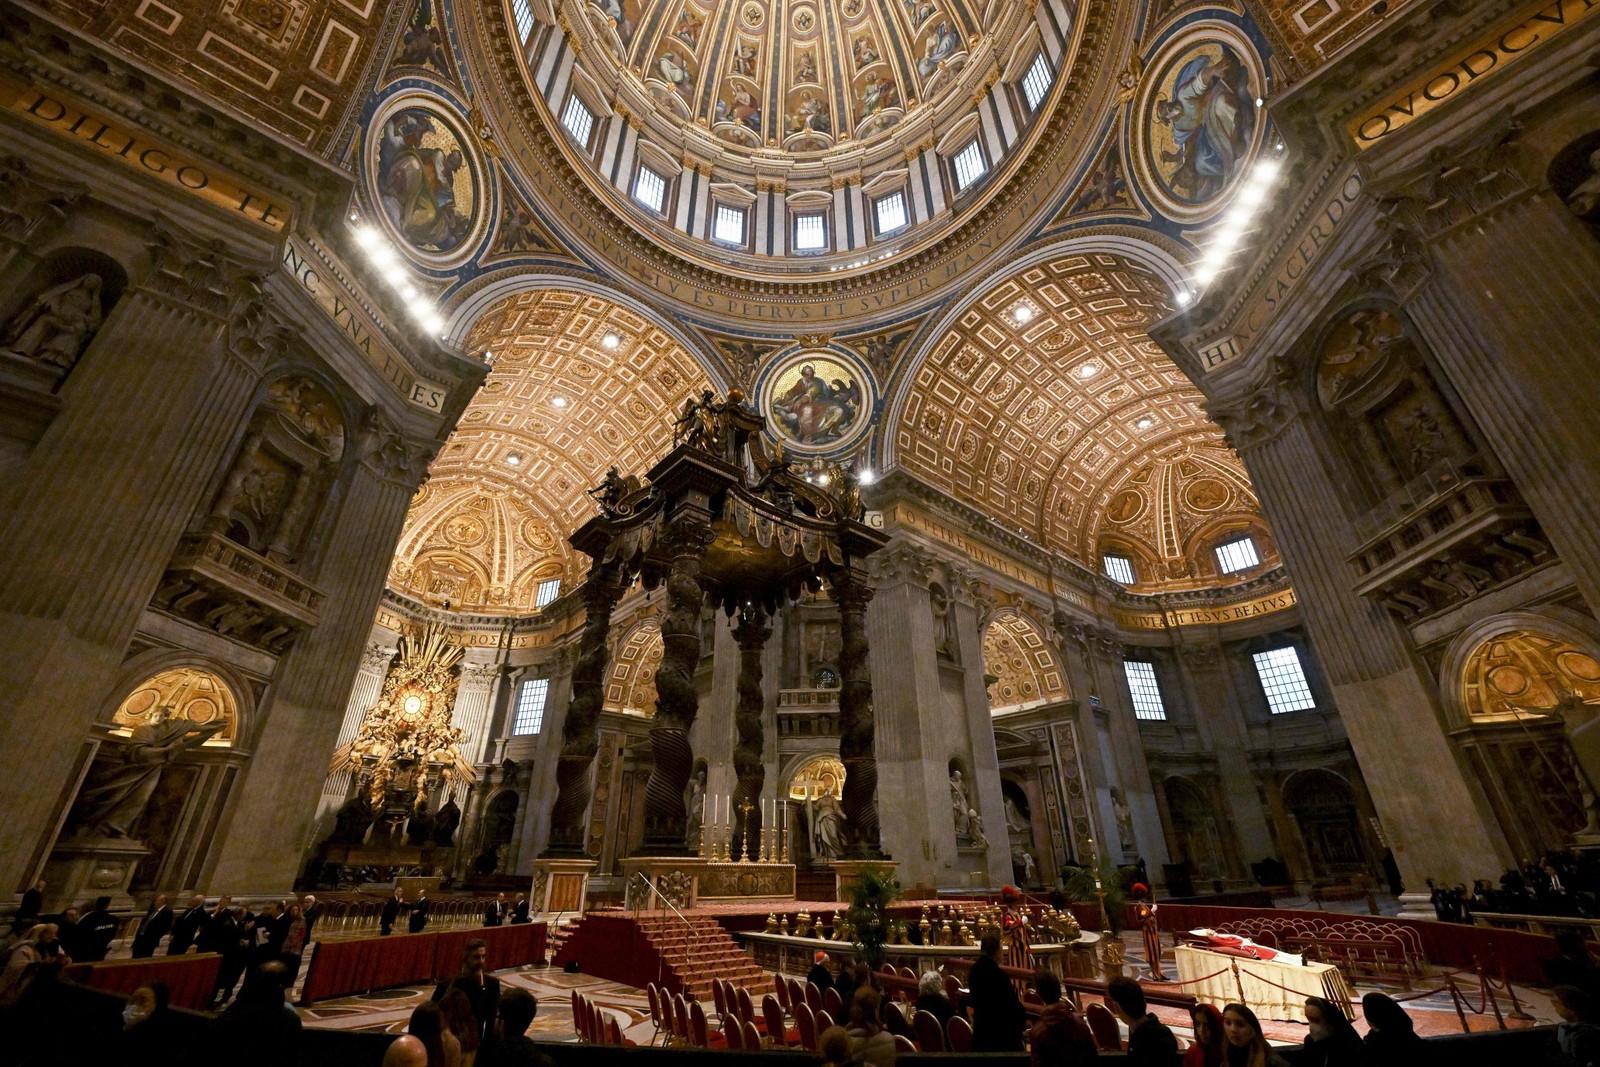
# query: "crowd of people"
[1558,883]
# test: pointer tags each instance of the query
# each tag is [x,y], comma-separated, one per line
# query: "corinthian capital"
[33,202]
[197,273]
[478,676]
[902,562]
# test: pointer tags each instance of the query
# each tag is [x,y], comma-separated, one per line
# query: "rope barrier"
[1197,981]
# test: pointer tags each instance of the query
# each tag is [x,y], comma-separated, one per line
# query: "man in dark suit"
[1149,1040]
[391,912]
[186,930]
[509,1044]
[519,910]
[495,913]
[419,913]
[481,987]
[156,924]
[215,932]
[95,932]
[310,911]
[32,903]
[997,1015]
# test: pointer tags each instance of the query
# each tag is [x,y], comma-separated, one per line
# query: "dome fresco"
[802,76]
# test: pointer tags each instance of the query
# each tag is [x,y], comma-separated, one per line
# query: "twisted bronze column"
[751,630]
[677,699]
[580,736]
[857,727]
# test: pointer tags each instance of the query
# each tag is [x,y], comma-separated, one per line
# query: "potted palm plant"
[867,915]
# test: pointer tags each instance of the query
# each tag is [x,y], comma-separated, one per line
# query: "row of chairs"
[593,1025]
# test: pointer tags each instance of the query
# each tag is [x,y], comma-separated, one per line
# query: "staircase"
[681,958]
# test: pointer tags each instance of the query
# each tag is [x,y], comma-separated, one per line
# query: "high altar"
[720,518]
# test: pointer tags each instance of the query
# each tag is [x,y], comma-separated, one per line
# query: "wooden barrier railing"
[190,979]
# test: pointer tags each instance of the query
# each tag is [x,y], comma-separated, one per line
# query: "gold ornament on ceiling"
[185,693]
[1526,674]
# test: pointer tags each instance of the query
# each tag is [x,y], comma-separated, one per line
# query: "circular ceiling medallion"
[1580,666]
[464,530]
[1125,507]
[426,177]
[803,19]
[1205,494]
[1196,123]
[1509,681]
[753,15]
[818,402]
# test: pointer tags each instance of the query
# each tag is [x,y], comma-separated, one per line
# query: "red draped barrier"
[339,968]
[190,979]
[1447,944]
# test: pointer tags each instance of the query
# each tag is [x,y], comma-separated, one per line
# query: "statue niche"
[70,292]
[282,471]
[1387,406]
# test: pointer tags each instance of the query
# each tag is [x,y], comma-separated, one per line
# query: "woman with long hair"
[459,1020]
[1245,1045]
[1210,1047]
[427,1026]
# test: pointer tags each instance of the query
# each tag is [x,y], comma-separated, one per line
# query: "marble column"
[968,608]
[677,697]
[857,724]
[474,706]
[579,728]
[1219,720]
[1385,698]
[751,629]
[1295,856]
[364,695]
[911,749]
[89,521]
[313,680]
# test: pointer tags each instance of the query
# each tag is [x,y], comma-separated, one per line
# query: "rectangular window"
[970,166]
[890,212]
[650,189]
[1036,83]
[728,226]
[1118,568]
[547,591]
[530,707]
[522,12]
[1283,680]
[577,119]
[1146,693]
[810,233]
[1236,556]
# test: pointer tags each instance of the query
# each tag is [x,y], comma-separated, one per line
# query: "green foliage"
[869,926]
[1078,885]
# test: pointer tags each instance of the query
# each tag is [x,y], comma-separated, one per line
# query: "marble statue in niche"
[960,805]
[57,326]
[120,784]
[1584,200]
[1124,815]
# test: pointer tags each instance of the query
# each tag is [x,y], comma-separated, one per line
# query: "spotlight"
[1088,370]
[559,401]
[611,340]
[1182,297]
[514,459]
[866,476]
[1022,313]
[1145,423]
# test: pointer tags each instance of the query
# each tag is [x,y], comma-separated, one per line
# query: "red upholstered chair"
[824,1021]
[699,1032]
[781,989]
[894,1020]
[797,994]
[752,1036]
[747,1008]
[778,1035]
[959,1033]
[831,1002]
[907,972]
[806,1022]
[732,1033]
[929,1034]
[719,997]
[902,1043]
[952,986]
[1103,1025]
[680,1018]
[614,1034]
[813,998]
[577,1015]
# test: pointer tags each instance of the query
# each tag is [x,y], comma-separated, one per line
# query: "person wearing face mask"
[1331,1041]
[1244,1043]
[147,1025]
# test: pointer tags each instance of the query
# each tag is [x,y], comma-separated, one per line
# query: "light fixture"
[1145,423]
[1182,297]
[1022,313]
[558,401]
[1088,370]
[514,459]
[866,476]
[610,340]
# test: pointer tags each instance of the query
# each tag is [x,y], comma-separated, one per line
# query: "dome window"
[650,190]
[1036,83]
[890,212]
[728,225]
[1237,555]
[578,120]
[810,232]
[970,165]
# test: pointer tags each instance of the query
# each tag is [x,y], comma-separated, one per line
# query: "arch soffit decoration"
[631,682]
[1018,651]
[1552,621]
[1034,421]
[151,664]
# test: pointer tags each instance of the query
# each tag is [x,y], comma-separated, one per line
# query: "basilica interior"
[690,453]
